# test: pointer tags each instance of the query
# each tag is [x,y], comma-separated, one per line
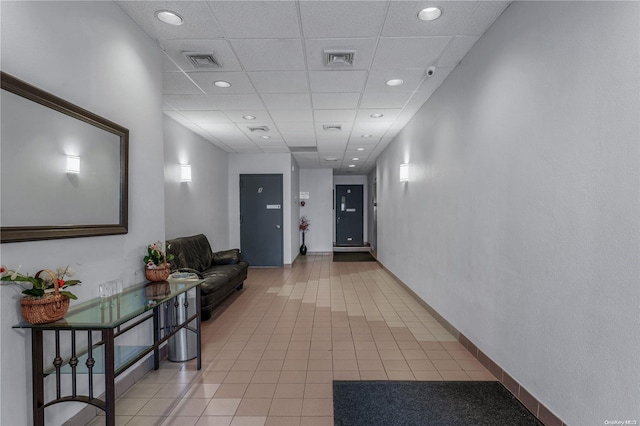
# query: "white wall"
[355,180]
[263,164]
[318,209]
[93,55]
[199,206]
[520,225]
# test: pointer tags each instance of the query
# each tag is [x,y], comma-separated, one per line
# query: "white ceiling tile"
[296,127]
[342,18]
[205,116]
[177,116]
[363,47]
[335,115]
[287,101]
[398,53]
[177,83]
[270,55]
[292,115]
[378,78]
[238,116]
[239,82]
[384,100]
[257,19]
[337,81]
[335,100]
[428,87]
[455,50]
[485,13]
[214,102]
[375,128]
[402,18]
[274,149]
[279,81]
[198,19]
[300,140]
[220,49]
[168,65]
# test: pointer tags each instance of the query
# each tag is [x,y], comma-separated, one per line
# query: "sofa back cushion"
[191,252]
[227,257]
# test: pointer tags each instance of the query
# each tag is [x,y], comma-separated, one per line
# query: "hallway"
[270,356]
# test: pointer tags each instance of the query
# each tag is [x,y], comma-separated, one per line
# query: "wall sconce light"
[185,173]
[73,164]
[404,172]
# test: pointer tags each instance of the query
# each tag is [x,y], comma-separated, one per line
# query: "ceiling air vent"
[339,58]
[259,129]
[202,60]
[303,149]
[332,127]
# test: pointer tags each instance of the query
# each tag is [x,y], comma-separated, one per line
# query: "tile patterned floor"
[269,358]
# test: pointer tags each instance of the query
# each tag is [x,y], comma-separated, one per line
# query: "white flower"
[70,272]
[3,271]
[15,273]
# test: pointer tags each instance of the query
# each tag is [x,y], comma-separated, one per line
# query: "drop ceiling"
[274,54]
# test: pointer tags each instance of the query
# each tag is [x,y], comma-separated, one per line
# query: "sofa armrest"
[226,257]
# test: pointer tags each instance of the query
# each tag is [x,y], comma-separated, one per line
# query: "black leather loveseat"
[224,271]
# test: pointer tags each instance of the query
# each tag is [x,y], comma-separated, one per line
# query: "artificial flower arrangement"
[42,285]
[46,300]
[157,266]
[304,224]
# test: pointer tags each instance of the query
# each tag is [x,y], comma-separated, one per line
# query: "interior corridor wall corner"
[520,222]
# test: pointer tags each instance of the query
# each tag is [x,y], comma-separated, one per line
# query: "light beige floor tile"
[254,407]
[189,408]
[202,390]
[317,407]
[130,406]
[222,407]
[286,407]
[180,421]
[231,390]
[282,421]
[214,421]
[289,390]
[260,390]
[249,421]
[146,421]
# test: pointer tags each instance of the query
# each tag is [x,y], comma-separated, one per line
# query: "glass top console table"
[85,342]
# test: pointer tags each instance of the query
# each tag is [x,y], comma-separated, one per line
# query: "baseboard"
[537,408]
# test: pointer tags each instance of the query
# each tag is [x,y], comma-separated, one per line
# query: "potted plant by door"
[304,227]
[157,266]
[46,300]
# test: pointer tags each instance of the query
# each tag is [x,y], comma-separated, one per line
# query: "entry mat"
[352,256]
[395,403]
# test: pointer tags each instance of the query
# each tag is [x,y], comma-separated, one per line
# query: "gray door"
[349,215]
[261,239]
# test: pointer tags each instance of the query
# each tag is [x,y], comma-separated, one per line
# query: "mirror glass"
[63,168]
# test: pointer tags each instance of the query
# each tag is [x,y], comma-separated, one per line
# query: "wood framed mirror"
[64,170]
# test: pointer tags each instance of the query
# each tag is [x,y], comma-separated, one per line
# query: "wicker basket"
[45,309]
[161,273]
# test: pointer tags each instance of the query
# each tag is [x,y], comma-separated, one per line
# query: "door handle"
[277,226]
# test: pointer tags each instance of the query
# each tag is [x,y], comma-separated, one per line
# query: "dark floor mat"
[353,256]
[395,403]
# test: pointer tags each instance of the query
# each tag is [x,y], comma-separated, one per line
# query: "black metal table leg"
[198,339]
[37,378]
[110,376]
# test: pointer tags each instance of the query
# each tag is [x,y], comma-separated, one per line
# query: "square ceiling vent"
[339,58]
[202,60]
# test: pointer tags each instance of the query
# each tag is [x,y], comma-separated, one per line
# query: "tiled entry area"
[271,355]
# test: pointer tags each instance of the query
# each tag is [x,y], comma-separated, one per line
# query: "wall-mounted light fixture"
[405,170]
[73,164]
[185,172]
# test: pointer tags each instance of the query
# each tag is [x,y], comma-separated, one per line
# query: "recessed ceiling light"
[265,137]
[360,149]
[223,84]
[169,17]
[366,136]
[330,158]
[376,115]
[249,117]
[429,14]
[394,82]
[355,158]
[352,165]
